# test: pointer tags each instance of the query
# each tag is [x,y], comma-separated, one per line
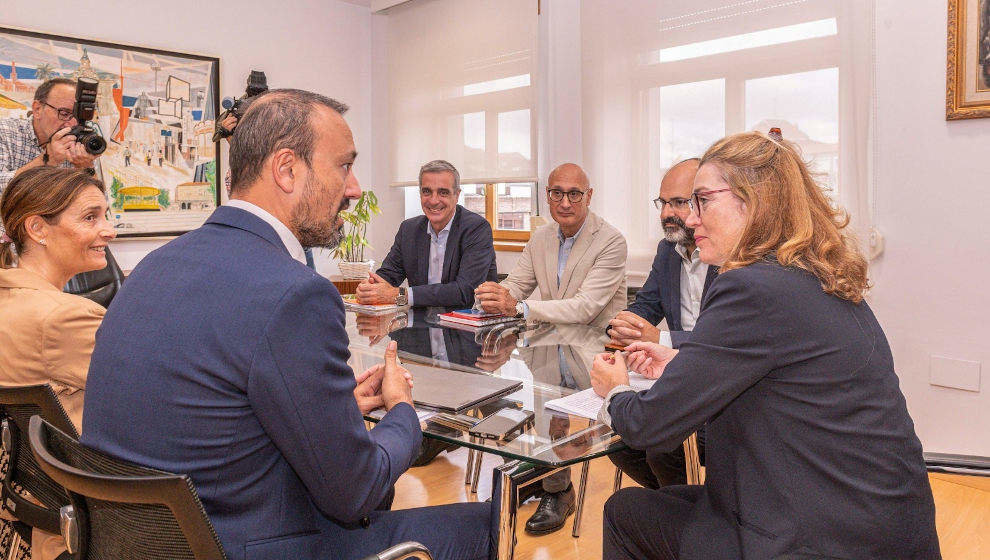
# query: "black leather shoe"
[552,512]
[430,449]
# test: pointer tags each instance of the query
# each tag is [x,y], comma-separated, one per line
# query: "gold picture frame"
[967,87]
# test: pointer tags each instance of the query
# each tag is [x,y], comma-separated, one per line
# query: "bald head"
[682,172]
[570,172]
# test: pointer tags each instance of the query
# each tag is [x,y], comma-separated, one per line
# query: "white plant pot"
[355,270]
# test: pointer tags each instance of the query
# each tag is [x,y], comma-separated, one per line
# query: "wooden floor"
[962,508]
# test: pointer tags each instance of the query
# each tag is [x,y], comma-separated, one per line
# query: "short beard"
[683,235]
[312,231]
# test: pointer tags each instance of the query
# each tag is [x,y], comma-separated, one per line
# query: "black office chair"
[122,511]
[98,285]
[22,474]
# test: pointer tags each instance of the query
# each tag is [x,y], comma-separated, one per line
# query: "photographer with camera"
[25,143]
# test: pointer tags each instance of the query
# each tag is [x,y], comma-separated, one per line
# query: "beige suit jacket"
[46,336]
[592,288]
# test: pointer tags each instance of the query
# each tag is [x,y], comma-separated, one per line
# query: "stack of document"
[474,318]
[351,304]
[586,404]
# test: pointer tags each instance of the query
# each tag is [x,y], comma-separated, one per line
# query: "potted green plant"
[350,251]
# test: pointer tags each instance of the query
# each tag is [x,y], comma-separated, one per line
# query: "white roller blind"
[461,88]
[663,80]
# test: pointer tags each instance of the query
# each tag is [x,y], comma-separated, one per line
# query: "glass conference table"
[551,361]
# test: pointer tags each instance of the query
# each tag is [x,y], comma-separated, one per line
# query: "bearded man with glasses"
[678,278]
[673,291]
[43,139]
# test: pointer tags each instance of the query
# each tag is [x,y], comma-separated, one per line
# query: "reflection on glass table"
[551,361]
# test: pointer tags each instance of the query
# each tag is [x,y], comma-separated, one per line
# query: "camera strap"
[44,150]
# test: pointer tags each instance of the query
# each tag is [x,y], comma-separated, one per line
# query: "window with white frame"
[670,78]
[461,88]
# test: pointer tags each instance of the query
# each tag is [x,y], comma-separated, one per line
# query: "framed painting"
[967,89]
[156,110]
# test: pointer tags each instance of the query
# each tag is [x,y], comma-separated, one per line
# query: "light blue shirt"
[563,253]
[438,249]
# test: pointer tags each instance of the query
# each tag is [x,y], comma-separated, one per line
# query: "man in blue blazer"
[673,291]
[444,254]
[225,358]
[677,280]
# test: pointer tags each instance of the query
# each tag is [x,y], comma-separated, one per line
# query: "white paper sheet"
[586,404]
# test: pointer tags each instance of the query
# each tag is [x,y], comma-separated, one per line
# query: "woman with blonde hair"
[810,451]
[55,226]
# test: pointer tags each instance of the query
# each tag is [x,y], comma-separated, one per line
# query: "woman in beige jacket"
[54,227]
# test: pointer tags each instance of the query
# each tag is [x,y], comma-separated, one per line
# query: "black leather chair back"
[98,285]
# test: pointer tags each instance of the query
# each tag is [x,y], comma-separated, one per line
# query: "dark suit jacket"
[660,296]
[810,446]
[468,261]
[225,359]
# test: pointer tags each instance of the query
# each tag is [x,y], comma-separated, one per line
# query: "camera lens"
[95,144]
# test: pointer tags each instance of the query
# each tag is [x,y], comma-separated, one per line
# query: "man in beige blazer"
[578,263]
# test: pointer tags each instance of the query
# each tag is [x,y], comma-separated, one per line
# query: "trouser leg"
[632,462]
[645,524]
[558,481]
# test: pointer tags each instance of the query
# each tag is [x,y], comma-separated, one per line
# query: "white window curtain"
[663,80]
[462,88]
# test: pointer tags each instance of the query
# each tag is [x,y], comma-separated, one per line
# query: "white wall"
[933,194]
[323,46]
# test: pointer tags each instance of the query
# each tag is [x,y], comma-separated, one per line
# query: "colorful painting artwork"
[967,90]
[156,110]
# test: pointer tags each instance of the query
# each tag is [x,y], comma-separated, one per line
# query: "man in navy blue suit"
[225,358]
[444,254]
[673,291]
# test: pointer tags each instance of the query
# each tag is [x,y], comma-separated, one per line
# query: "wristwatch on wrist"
[402,298]
[520,309]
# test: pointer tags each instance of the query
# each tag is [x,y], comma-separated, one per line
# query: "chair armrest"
[401,551]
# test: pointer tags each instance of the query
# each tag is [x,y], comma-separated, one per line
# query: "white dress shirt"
[288,238]
[693,274]
[438,250]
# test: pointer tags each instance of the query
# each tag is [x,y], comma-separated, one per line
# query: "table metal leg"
[618,480]
[582,487]
[477,472]
[469,469]
[513,475]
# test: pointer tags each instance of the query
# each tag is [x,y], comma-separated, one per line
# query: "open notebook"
[586,404]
